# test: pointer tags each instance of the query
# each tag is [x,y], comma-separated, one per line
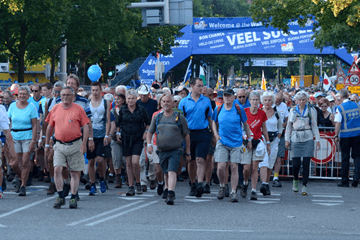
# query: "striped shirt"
[83,102]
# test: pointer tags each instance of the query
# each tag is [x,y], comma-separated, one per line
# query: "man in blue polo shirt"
[197,111]
[241,98]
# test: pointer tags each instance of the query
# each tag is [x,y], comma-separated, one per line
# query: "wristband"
[40,141]
[43,136]
[118,133]
[91,139]
[106,136]
[47,145]
[149,145]
[267,142]
[146,130]
[188,154]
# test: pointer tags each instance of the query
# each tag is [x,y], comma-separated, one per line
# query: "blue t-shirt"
[196,113]
[37,103]
[246,105]
[150,106]
[21,119]
[229,125]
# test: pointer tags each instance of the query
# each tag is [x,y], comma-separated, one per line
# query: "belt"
[68,143]
[201,130]
[21,130]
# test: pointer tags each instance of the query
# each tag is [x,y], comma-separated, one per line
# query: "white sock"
[266,183]
[246,183]
[275,178]
[183,169]
[161,183]
[233,191]
[253,189]
[222,184]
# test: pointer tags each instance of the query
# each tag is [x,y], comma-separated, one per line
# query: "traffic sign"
[341,79]
[340,72]
[354,68]
[354,79]
[328,149]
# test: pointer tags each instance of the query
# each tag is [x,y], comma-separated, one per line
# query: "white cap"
[144,89]
[330,98]
[177,98]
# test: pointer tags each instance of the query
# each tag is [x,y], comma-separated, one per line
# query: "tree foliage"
[336,21]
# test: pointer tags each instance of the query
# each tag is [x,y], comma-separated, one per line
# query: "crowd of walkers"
[154,137]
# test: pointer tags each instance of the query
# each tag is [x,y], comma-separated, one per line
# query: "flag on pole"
[263,82]
[296,85]
[326,82]
[218,83]
[188,71]
[202,75]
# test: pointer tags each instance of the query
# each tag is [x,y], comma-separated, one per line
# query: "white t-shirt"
[282,110]
[271,124]
[4,119]
[338,116]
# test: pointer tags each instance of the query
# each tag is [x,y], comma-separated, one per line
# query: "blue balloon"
[15,81]
[128,87]
[94,73]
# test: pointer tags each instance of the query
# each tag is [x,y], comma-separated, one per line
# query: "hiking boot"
[131,192]
[66,189]
[93,191]
[73,203]
[276,183]
[354,183]
[221,193]
[29,180]
[144,188]
[17,186]
[111,179]
[240,186]
[268,192]
[253,196]
[88,186]
[180,178]
[59,202]
[52,189]
[138,189]
[152,184]
[22,192]
[192,190]
[165,193]
[295,185]
[10,178]
[118,182]
[160,189]
[227,192]
[84,179]
[170,199]
[243,192]
[207,188]
[233,197]
[199,190]
[263,189]
[304,191]
[103,186]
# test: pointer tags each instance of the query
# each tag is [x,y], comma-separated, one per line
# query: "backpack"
[276,113]
[122,111]
[177,122]
[219,109]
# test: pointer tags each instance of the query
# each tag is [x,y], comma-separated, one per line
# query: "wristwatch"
[188,154]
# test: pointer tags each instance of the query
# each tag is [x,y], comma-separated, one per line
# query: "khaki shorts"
[224,153]
[22,146]
[153,158]
[69,154]
[117,157]
[249,156]
[270,160]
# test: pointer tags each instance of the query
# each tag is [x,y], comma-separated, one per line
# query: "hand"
[118,138]
[91,145]
[106,141]
[217,138]
[287,145]
[317,146]
[336,140]
[51,142]
[83,147]
[32,146]
[268,148]
[187,158]
[249,145]
[144,136]
[150,149]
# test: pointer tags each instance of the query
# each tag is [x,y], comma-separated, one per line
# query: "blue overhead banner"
[180,53]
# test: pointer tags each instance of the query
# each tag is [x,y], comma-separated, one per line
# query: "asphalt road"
[328,212]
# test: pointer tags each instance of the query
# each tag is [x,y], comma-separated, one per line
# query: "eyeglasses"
[324,106]
[34,90]
[241,96]
[57,92]
[176,101]
[353,100]
[256,99]
[199,86]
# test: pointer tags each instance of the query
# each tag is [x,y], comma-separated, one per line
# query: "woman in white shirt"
[274,128]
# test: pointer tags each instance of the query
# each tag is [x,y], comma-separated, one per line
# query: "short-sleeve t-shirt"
[21,119]
[230,131]
[4,120]
[67,121]
[255,122]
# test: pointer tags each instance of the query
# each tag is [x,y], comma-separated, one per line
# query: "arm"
[187,147]
[107,140]
[10,144]
[248,133]
[266,135]
[280,127]
[91,143]
[34,123]
[314,127]
[85,138]
[215,132]
[49,133]
[148,140]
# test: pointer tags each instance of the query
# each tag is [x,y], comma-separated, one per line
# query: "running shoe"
[263,189]
[165,193]
[102,186]
[73,203]
[144,188]
[304,191]
[243,192]
[93,191]
[276,183]
[22,192]
[152,184]
[295,185]
[160,189]
[131,192]
[17,186]
[77,197]
[199,190]
[207,188]
[59,202]
[52,189]
[233,197]
[170,199]
[192,190]
[253,195]
[138,189]
[221,193]
[227,192]
[268,192]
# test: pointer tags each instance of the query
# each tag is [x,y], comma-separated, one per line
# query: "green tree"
[336,21]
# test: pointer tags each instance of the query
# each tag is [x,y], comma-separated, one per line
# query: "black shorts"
[170,160]
[100,150]
[199,143]
[134,149]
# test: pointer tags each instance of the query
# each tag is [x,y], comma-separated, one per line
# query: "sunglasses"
[241,96]
[176,101]
[57,92]
[34,90]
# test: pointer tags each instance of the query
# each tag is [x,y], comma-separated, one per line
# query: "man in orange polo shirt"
[67,118]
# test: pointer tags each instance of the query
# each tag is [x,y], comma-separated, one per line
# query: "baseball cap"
[318,94]
[144,89]
[330,98]
[229,91]
[220,94]
[177,98]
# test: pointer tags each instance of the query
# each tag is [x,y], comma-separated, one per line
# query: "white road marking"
[141,195]
[2,225]
[103,214]
[262,202]
[192,197]
[328,204]
[327,196]
[26,207]
[15,193]
[38,187]
[272,194]
[328,201]
[120,214]
[207,230]
[132,198]
[197,200]
[269,199]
